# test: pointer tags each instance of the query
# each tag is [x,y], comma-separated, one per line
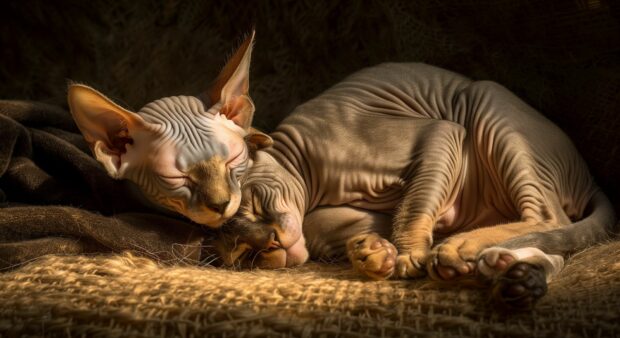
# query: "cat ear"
[106,126]
[232,86]
[257,140]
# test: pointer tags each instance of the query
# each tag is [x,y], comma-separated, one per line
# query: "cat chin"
[213,220]
[207,220]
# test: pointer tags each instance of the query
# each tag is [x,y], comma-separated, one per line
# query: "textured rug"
[129,296]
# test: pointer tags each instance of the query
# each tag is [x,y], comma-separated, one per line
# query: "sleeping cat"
[186,154]
[400,157]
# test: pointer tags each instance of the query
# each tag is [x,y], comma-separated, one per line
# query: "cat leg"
[520,268]
[457,255]
[333,233]
[432,187]
[509,161]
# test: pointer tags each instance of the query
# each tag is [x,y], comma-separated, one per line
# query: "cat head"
[266,232]
[183,153]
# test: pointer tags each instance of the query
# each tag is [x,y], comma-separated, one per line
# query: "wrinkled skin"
[381,165]
[185,153]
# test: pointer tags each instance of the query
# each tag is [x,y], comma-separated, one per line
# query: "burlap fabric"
[127,296]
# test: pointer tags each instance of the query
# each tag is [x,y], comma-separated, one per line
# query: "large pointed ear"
[106,126]
[231,87]
[256,140]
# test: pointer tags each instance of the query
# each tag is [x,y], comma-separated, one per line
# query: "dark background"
[562,57]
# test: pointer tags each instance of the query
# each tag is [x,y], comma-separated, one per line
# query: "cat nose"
[218,207]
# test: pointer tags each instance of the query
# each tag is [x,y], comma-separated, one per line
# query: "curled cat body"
[410,169]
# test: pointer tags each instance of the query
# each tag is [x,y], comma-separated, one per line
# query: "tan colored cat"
[411,169]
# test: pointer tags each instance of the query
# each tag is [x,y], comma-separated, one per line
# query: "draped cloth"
[56,199]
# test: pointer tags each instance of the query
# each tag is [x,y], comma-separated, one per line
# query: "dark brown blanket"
[56,199]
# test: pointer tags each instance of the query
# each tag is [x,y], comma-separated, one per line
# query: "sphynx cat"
[409,170]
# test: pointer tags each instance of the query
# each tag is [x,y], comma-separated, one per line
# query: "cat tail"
[540,256]
[597,226]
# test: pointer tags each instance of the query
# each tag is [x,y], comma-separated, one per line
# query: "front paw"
[453,259]
[372,255]
[411,264]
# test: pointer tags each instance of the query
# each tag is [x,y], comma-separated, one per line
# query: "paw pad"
[520,286]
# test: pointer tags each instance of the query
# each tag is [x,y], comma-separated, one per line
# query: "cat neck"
[290,173]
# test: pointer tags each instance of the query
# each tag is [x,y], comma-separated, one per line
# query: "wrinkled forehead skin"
[194,133]
[180,135]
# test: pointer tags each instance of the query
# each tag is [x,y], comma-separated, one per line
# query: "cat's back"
[374,111]
[390,90]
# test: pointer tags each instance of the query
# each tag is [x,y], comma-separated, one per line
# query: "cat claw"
[410,266]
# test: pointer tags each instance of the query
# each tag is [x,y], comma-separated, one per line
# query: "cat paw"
[372,255]
[452,259]
[411,265]
[520,286]
[493,261]
[518,277]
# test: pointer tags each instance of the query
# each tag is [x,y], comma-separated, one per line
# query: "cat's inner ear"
[231,87]
[257,140]
[107,127]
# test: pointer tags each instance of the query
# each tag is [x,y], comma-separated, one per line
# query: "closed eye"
[175,182]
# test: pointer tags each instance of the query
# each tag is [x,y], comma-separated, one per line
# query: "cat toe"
[452,260]
[438,271]
[411,265]
[493,261]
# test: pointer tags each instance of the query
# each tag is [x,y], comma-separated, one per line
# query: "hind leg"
[458,255]
[507,164]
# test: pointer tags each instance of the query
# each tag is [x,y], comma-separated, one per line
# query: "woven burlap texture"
[131,296]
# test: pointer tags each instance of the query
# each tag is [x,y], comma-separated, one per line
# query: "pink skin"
[297,254]
[293,250]
[448,273]
[292,241]
[289,257]
[502,262]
